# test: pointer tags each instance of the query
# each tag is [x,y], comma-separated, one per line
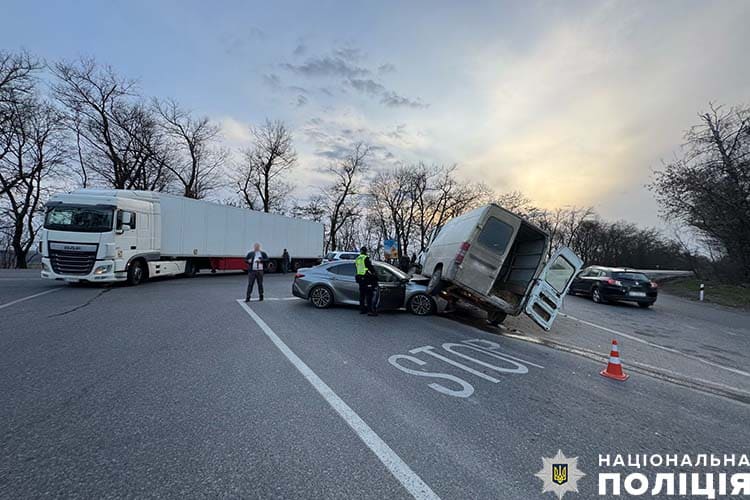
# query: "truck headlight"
[103,269]
[45,267]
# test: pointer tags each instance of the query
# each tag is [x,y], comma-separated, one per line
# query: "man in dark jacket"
[368,283]
[256,261]
[285,261]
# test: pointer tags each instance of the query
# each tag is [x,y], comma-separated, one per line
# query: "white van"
[497,260]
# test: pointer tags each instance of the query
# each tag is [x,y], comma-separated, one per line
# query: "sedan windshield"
[398,272]
[80,218]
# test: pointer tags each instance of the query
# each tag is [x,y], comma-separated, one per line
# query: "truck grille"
[72,261]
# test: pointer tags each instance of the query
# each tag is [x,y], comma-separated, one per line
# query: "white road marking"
[400,470]
[661,347]
[274,298]
[8,304]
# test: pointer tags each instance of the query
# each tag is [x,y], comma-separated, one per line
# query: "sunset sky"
[572,103]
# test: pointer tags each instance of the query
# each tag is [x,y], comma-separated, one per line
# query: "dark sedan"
[610,284]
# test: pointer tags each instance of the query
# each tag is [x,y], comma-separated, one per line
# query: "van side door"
[546,296]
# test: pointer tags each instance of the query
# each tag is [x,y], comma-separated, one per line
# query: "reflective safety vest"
[360,263]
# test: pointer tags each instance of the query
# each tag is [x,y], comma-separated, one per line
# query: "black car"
[611,284]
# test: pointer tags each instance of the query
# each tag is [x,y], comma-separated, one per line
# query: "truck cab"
[97,236]
[497,260]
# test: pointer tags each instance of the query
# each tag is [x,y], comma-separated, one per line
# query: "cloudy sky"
[573,103]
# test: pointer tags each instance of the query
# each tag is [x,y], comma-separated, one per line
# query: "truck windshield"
[82,219]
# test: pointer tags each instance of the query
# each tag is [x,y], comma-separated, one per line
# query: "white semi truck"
[119,235]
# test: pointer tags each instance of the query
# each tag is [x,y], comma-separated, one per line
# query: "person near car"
[403,263]
[256,260]
[367,279]
[285,262]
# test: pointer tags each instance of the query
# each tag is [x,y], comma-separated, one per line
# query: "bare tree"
[118,137]
[262,179]
[708,188]
[440,196]
[17,79]
[392,197]
[563,224]
[341,196]
[197,161]
[37,150]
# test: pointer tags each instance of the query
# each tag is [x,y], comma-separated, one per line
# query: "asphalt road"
[174,389]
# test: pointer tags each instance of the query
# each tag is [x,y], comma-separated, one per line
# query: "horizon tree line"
[80,124]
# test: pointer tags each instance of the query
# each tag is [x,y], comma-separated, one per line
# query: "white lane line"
[8,304]
[400,470]
[657,346]
[275,298]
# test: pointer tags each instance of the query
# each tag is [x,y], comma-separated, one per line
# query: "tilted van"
[498,261]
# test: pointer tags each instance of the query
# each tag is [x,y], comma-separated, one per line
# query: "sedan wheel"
[421,304]
[596,296]
[321,297]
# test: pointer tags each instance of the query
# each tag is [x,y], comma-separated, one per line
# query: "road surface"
[176,389]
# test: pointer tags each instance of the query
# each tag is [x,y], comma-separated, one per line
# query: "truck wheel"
[271,266]
[137,273]
[435,284]
[321,297]
[494,318]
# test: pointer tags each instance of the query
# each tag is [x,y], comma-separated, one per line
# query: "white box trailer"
[118,235]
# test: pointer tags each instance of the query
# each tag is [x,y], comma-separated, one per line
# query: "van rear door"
[546,296]
[481,261]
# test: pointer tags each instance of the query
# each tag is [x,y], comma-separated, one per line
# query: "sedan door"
[345,287]
[392,288]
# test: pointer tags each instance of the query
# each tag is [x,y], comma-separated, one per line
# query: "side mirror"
[126,219]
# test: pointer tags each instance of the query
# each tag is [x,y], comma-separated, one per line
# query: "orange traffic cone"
[614,367]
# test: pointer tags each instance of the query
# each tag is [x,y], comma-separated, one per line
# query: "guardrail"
[663,273]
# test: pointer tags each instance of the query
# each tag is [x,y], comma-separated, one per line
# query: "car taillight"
[299,275]
[614,282]
[462,252]
[653,284]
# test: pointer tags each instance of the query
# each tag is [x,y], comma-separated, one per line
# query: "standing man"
[285,262]
[256,261]
[368,282]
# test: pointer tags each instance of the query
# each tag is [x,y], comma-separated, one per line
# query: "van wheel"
[435,284]
[271,266]
[421,304]
[321,297]
[494,318]
[137,273]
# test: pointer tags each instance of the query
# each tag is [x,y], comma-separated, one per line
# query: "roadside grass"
[714,291]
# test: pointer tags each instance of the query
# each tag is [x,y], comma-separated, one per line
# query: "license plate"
[71,280]
[637,294]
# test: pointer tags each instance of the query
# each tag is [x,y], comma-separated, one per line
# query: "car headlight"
[103,269]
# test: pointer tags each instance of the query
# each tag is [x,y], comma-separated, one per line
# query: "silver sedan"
[334,283]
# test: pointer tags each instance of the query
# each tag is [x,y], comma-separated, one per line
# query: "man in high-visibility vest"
[368,283]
